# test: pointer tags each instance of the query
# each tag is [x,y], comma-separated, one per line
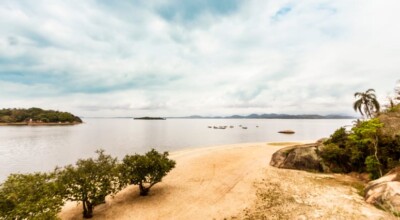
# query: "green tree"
[366,103]
[90,181]
[30,196]
[365,142]
[335,151]
[146,170]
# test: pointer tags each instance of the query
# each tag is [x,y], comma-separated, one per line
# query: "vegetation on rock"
[371,146]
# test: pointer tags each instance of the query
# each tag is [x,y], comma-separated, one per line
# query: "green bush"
[363,149]
[336,157]
[372,166]
[41,195]
[90,181]
[30,196]
[146,170]
[339,137]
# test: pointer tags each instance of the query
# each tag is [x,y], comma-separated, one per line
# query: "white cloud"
[127,59]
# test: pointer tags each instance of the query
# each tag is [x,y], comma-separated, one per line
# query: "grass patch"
[271,203]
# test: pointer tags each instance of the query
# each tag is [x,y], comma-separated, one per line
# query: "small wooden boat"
[244,127]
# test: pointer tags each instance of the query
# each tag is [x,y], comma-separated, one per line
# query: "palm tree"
[367,103]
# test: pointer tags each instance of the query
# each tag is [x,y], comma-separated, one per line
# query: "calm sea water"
[29,149]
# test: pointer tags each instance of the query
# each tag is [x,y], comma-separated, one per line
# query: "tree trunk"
[376,156]
[87,209]
[143,190]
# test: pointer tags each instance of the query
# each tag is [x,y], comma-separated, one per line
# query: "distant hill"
[36,116]
[277,116]
[150,118]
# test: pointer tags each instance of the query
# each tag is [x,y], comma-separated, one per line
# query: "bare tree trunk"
[87,209]
[143,190]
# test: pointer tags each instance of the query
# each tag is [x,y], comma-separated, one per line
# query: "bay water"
[41,148]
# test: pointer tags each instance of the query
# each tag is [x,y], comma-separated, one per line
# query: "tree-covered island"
[36,116]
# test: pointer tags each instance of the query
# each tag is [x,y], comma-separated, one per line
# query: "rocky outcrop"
[385,191]
[300,157]
[391,121]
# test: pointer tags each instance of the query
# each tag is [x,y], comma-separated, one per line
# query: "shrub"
[372,166]
[336,157]
[90,181]
[146,170]
[339,137]
[30,196]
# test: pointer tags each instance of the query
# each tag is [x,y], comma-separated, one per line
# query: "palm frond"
[357,104]
[376,105]
[370,90]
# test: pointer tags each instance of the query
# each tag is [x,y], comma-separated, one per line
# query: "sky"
[99,58]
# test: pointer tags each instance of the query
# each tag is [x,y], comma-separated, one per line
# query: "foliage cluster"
[363,149]
[145,170]
[41,195]
[30,196]
[37,115]
[372,145]
[367,104]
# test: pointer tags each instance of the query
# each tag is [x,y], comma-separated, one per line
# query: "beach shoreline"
[218,182]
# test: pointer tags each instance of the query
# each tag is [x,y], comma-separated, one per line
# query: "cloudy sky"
[208,57]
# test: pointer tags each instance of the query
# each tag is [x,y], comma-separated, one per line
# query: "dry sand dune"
[229,182]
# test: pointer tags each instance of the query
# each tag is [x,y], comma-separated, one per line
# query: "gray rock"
[385,191]
[300,157]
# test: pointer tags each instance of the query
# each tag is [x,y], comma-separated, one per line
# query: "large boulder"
[300,157]
[385,191]
[391,121]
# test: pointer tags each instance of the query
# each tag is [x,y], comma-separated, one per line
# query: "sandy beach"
[236,182]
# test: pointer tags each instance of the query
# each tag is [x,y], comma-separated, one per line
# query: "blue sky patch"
[282,12]
[188,11]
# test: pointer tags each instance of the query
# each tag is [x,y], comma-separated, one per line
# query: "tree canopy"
[90,181]
[146,170]
[366,103]
[30,196]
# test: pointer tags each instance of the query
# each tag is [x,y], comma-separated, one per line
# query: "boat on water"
[220,127]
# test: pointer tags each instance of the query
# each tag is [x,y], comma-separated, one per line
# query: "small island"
[286,132]
[36,116]
[150,118]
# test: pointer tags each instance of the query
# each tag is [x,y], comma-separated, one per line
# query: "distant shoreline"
[150,118]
